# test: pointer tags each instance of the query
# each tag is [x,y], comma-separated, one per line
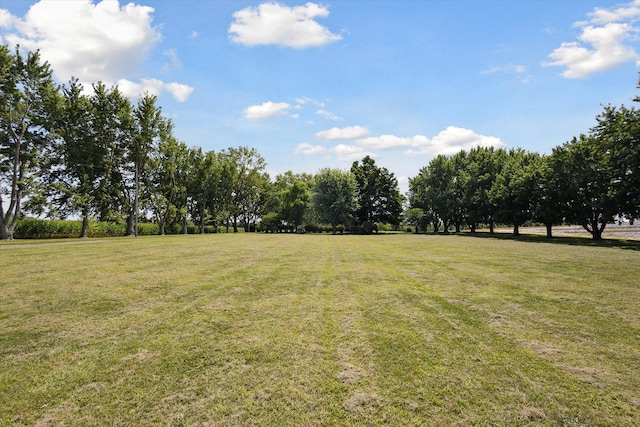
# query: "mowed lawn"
[253,329]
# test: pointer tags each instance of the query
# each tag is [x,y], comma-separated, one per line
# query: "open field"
[320,330]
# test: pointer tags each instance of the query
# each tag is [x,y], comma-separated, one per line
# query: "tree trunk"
[84,233]
[491,227]
[549,232]
[473,228]
[516,230]
[130,230]
[5,232]
[161,227]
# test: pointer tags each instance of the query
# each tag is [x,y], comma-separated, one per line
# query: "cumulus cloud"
[351,153]
[449,141]
[602,42]
[93,42]
[266,110]
[277,24]
[350,132]
[310,150]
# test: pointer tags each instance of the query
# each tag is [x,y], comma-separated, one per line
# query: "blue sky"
[313,85]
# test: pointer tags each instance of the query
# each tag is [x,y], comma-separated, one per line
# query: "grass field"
[320,330]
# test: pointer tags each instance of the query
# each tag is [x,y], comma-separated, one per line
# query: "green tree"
[291,197]
[334,197]
[618,135]
[550,192]
[247,178]
[378,196]
[147,126]
[168,181]
[80,166]
[26,88]
[513,191]
[113,126]
[589,183]
[482,167]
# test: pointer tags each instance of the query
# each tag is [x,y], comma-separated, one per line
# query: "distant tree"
[334,197]
[291,197]
[513,191]
[550,192]
[378,196]
[415,218]
[167,181]
[588,183]
[247,179]
[437,191]
[26,88]
[482,167]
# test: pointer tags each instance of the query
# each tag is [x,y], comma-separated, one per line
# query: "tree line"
[66,151]
[591,181]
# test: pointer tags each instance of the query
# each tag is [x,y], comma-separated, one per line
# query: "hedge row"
[62,229]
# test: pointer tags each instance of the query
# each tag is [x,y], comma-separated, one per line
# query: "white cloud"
[327,115]
[179,91]
[449,141]
[623,13]
[155,87]
[351,153]
[310,150]
[266,110]
[277,24]
[351,132]
[604,36]
[93,42]
[194,34]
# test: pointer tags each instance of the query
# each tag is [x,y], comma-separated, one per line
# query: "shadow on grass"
[628,244]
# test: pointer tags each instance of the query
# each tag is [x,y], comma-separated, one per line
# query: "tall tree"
[378,196]
[589,184]
[618,134]
[246,181]
[148,124]
[334,197]
[513,191]
[482,167]
[78,170]
[167,181]
[26,86]
[549,193]
[113,126]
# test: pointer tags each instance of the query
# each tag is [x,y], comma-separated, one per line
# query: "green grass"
[319,330]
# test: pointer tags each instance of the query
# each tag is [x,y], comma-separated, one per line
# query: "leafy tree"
[618,135]
[291,197]
[513,191]
[437,191]
[550,192]
[482,167]
[414,217]
[26,88]
[334,197]
[168,181]
[147,127]
[79,168]
[588,184]
[113,126]
[246,178]
[378,197]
